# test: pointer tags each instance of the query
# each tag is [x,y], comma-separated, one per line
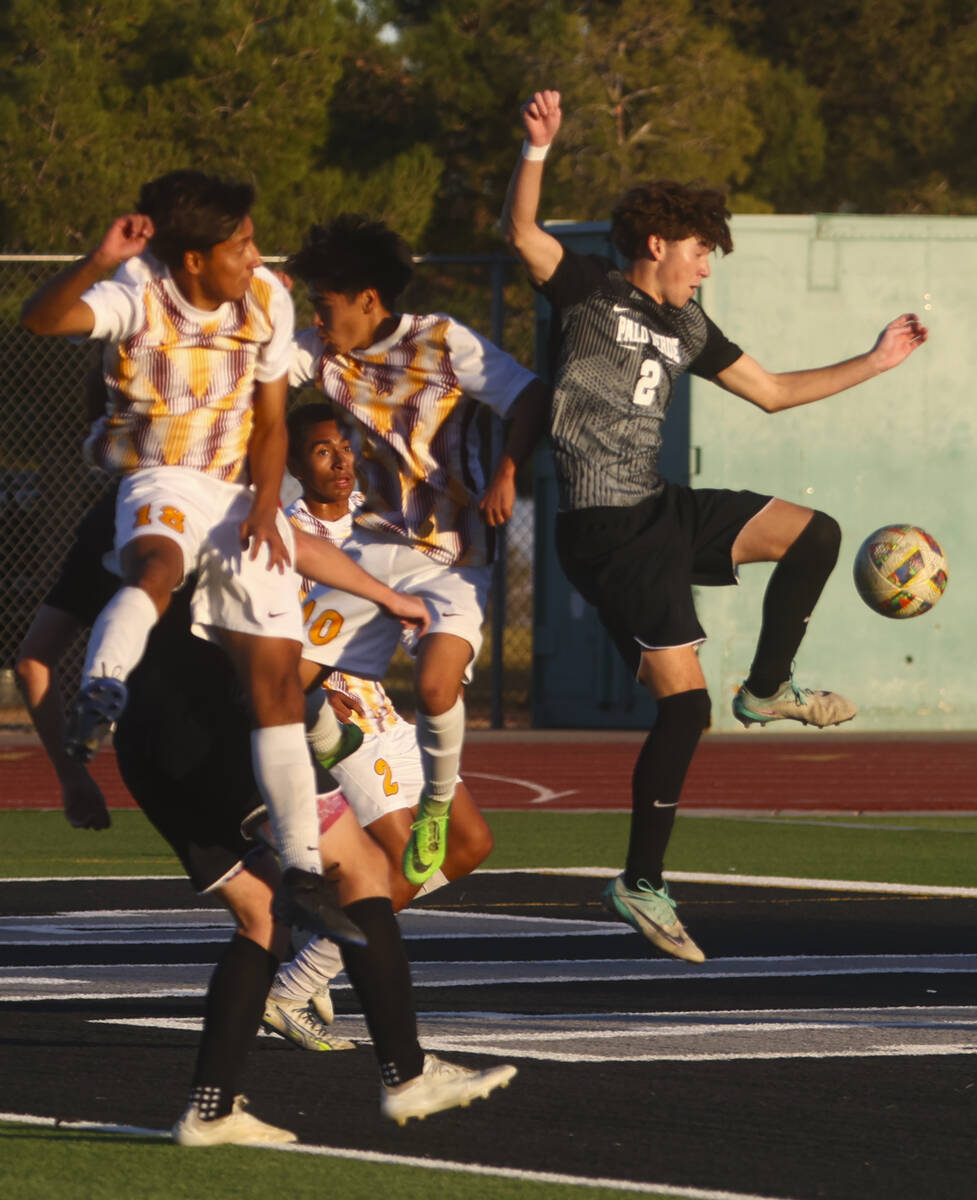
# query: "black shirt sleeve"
[716,355]
[576,277]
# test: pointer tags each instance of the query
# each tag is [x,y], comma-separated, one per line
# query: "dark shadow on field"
[877,1128]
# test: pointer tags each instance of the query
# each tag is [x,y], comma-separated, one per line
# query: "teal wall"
[805,291]
[801,292]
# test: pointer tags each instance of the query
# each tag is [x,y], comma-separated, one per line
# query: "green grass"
[891,849]
[43,843]
[37,1163]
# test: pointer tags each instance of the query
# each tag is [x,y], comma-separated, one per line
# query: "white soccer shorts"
[203,516]
[354,635]
[384,775]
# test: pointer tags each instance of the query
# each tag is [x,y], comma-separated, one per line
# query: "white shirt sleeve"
[117,308]
[276,354]
[485,372]
[306,352]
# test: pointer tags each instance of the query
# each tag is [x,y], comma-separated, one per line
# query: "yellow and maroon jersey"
[180,380]
[415,399]
[378,709]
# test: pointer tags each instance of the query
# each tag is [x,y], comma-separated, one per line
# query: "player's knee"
[690,710]
[276,697]
[468,848]
[29,673]
[436,695]
[819,541]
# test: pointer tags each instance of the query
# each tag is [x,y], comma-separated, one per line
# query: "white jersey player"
[413,387]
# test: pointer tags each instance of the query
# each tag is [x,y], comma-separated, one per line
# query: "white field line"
[403,1160]
[784,881]
[781,881]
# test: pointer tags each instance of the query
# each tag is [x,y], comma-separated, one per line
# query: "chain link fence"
[45,487]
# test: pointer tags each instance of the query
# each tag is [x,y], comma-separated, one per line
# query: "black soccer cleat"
[92,716]
[310,901]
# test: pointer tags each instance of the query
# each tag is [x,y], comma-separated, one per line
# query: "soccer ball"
[900,571]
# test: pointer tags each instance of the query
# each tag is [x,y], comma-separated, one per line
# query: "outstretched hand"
[898,340]
[541,115]
[259,529]
[125,238]
[410,610]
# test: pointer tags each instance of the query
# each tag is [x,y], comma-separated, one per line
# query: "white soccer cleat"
[652,913]
[792,703]
[296,1020]
[238,1128]
[321,1001]
[439,1086]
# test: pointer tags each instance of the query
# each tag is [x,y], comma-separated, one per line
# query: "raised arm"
[788,389]
[540,251]
[57,307]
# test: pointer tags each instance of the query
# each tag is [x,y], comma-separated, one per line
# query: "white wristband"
[534,153]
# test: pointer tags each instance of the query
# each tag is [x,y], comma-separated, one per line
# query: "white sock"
[321,726]
[439,740]
[285,778]
[437,880]
[310,971]
[119,635]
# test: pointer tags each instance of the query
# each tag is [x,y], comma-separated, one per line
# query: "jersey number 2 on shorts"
[390,786]
[649,378]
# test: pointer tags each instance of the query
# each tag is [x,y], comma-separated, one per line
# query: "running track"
[809,771]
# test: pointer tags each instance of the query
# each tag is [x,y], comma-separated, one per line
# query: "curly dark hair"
[353,253]
[192,211]
[301,419]
[673,211]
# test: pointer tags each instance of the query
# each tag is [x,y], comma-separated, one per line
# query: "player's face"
[682,266]
[344,322]
[325,468]
[226,268]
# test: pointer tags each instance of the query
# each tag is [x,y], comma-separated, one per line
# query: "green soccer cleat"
[792,703]
[350,740]
[428,841]
[652,913]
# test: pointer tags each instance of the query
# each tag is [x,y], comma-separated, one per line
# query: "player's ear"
[656,246]
[193,261]
[370,300]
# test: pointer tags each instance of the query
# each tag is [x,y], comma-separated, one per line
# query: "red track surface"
[757,770]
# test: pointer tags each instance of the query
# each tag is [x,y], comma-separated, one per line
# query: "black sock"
[380,973]
[795,585]
[656,784]
[235,1004]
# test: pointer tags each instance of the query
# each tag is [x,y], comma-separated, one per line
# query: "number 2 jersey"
[618,355]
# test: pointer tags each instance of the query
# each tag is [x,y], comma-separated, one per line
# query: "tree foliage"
[100,96]
[407,109]
[896,85]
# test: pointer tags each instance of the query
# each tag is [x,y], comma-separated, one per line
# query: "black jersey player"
[633,544]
